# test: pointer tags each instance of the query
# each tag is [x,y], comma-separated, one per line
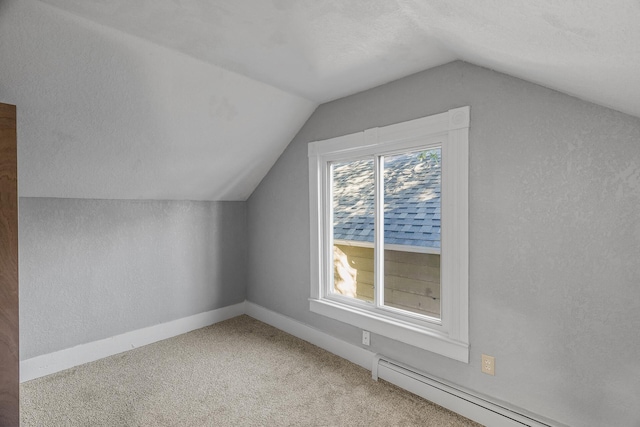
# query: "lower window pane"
[353,228]
[353,271]
[412,184]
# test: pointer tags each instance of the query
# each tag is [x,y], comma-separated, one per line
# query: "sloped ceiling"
[195,99]
[326,49]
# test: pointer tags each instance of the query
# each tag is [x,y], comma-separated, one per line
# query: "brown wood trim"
[9,334]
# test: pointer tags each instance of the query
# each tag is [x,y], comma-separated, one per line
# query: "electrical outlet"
[488,364]
[366,338]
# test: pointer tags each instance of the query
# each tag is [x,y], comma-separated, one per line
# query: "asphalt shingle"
[412,200]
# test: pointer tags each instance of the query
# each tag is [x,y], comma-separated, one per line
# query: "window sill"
[406,332]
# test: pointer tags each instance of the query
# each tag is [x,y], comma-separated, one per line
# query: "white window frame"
[448,336]
[389,247]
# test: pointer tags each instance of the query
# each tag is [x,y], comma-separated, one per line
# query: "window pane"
[353,219]
[412,231]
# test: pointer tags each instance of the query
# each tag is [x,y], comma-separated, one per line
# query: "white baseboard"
[456,399]
[47,364]
[348,351]
[473,406]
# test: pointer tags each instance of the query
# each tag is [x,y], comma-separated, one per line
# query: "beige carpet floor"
[240,372]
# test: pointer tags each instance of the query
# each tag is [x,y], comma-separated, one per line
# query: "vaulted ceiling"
[195,99]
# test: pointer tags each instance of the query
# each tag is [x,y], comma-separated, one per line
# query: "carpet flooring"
[240,372]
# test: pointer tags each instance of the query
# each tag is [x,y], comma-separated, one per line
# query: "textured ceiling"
[326,49]
[105,115]
[321,50]
[196,99]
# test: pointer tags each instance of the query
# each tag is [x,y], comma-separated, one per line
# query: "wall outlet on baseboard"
[488,364]
[366,338]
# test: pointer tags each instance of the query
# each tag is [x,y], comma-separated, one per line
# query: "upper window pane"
[412,183]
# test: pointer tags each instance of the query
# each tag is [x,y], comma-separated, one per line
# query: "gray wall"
[91,269]
[554,240]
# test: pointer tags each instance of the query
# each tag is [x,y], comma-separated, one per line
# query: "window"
[389,238]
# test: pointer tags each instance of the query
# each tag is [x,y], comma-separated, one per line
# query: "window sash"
[378,245]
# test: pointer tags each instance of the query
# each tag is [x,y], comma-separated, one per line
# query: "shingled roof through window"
[411,199]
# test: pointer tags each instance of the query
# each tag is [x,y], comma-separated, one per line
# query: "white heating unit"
[453,398]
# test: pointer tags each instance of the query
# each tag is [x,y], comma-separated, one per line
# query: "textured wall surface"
[91,269]
[554,240]
[105,115]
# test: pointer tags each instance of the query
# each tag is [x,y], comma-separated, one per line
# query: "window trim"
[450,130]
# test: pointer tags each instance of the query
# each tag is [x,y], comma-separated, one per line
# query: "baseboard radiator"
[451,397]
